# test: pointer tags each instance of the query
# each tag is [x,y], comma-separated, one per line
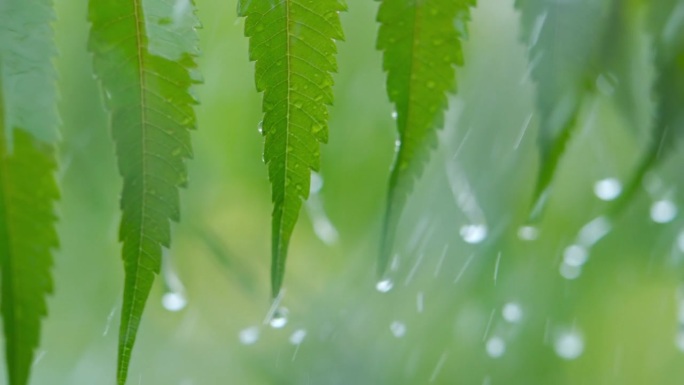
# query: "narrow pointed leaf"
[27,239]
[144,56]
[28,76]
[293,45]
[565,45]
[421,42]
[28,130]
[666,25]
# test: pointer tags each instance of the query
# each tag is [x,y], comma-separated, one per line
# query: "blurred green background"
[474,298]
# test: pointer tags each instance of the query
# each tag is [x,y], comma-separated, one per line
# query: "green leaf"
[293,45]
[144,55]
[421,41]
[28,77]
[666,26]
[27,238]
[564,62]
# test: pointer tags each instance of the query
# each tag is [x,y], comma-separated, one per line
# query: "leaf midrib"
[139,30]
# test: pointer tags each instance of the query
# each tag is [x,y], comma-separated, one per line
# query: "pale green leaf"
[666,26]
[421,41]
[144,55]
[565,40]
[28,77]
[293,45]
[27,238]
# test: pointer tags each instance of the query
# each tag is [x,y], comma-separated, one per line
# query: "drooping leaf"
[421,41]
[293,45]
[565,40]
[27,239]
[144,56]
[28,76]
[666,26]
[28,131]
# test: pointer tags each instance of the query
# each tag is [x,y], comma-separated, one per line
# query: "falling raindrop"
[174,301]
[297,336]
[398,329]
[570,272]
[679,341]
[569,345]
[384,286]
[474,234]
[680,241]
[249,336]
[512,312]
[608,189]
[528,233]
[495,347]
[663,211]
[575,256]
[279,319]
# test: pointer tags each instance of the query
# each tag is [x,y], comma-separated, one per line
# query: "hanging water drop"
[394,115]
[398,329]
[569,345]
[474,234]
[663,211]
[249,336]
[496,347]
[260,127]
[279,319]
[174,301]
[608,189]
[384,286]
[575,256]
[528,233]
[512,312]
[297,336]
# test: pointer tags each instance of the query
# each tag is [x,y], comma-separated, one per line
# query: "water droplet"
[680,241]
[297,336]
[174,301]
[512,312]
[398,329]
[679,340]
[279,319]
[496,347]
[260,127]
[397,145]
[570,272]
[249,336]
[474,234]
[528,233]
[593,231]
[316,183]
[663,211]
[384,286]
[394,115]
[575,255]
[608,189]
[569,345]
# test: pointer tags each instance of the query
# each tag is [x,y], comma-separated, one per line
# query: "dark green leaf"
[293,45]
[144,55]
[421,41]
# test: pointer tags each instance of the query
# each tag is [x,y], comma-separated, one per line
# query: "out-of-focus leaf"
[293,45]
[28,77]
[27,237]
[421,41]
[575,47]
[666,25]
[144,56]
